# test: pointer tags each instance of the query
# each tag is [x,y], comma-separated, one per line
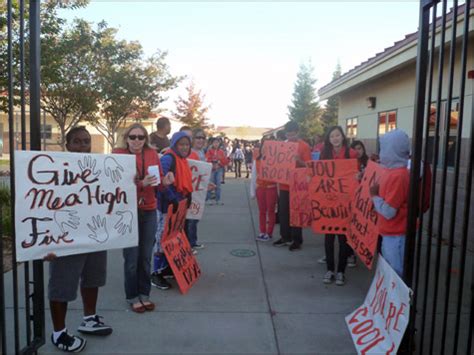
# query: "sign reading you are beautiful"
[278,160]
[332,187]
[201,175]
[177,249]
[378,325]
[364,231]
[72,203]
[300,201]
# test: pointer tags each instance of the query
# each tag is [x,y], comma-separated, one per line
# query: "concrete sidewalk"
[271,303]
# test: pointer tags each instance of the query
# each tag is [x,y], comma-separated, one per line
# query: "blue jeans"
[191,231]
[216,179]
[137,260]
[159,259]
[393,250]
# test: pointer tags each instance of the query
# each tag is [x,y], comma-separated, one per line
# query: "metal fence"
[438,263]
[22,318]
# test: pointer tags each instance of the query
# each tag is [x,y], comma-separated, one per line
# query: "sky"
[244,56]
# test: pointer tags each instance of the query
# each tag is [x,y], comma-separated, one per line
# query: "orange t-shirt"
[394,187]
[304,153]
[193,155]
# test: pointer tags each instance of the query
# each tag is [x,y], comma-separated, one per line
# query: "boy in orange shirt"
[390,196]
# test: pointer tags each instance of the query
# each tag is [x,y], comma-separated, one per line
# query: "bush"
[5,203]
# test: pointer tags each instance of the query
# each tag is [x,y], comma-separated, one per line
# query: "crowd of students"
[390,196]
[155,196]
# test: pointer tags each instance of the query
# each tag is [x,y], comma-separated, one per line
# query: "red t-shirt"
[146,195]
[193,155]
[394,186]
[304,153]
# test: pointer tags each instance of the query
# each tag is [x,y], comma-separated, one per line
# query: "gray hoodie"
[394,149]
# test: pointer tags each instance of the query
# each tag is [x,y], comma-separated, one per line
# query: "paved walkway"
[271,303]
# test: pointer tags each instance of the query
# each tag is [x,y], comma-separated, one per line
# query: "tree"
[67,85]
[126,82]
[305,106]
[191,110]
[330,115]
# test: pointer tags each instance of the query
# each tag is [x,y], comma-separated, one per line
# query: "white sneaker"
[340,279]
[94,325]
[263,237]
[328,277]
[322,260]
[351,261]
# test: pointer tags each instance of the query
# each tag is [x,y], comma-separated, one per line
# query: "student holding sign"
[65,273]
[292,236]
[137,260]
[336,147]
[267,195]
[390,196]
[174,161]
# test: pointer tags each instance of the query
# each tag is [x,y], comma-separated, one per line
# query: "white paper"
[201,176]
[377,327]
[76,202]
[154,170]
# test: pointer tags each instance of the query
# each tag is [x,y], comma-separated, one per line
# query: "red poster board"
[278,159]
[332,187]
[364,232]
[178,251]
[300,202]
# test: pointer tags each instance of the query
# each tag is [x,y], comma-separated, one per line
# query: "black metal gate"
[440,243]
[22,318]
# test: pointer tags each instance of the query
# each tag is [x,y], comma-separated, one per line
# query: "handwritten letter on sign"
[201,175]
[364,231]
[332,186]
[72,203]
[177,249]
[278,160]
[300,202]
[377,327]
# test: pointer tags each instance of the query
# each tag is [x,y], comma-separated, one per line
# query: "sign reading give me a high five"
[73,203]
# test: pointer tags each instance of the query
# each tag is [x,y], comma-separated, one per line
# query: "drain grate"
[242,253]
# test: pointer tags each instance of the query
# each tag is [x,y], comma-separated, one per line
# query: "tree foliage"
[191,110]
[305,106]
[330,115]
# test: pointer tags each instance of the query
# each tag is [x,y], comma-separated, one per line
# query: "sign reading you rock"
[278,160]
[73,203]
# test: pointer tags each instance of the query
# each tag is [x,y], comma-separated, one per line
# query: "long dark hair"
[327,149]
[365,158]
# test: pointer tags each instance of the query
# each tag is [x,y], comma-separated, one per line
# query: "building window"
[351,127]
[453,130]
[387,122]
[46,131]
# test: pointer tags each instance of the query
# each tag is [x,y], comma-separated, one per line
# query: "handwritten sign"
[278,160]
[73,203]
[177,249]
[300,202]
[201,175]
[333,183]
[377,327]
[364,232]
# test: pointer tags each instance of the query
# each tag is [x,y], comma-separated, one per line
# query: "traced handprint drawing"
[67,218]
[98,227]
[112,169]
[89,163]
[124,223]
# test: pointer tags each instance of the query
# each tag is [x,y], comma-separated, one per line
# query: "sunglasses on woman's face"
[200,137]
[134,136]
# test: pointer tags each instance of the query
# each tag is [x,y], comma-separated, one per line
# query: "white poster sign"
[377,327]
[201,176]
[73,203]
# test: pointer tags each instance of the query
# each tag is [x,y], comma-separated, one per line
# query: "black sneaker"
[167,273]
[159,281]
[294,247]
[94,326]
[280,243]
[69,343]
